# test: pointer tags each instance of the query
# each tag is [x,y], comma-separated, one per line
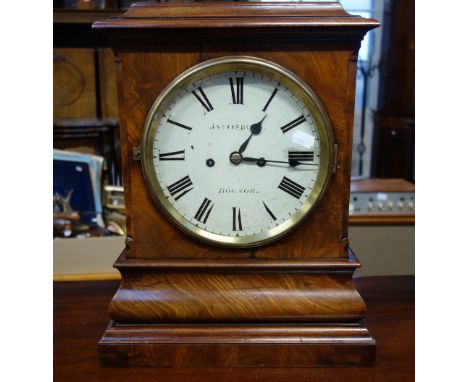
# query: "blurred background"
[88,204]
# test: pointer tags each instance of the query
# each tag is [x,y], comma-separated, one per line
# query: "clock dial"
[237,155]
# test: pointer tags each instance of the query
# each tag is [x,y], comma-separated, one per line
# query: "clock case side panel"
[125,152]
[347,150]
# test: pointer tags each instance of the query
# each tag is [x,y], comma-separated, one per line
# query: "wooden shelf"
[378,220]
[80,317]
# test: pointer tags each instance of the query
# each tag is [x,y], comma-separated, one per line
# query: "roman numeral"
[175,155]
[301,156]
[179,124]
[203,212]
[291,187]
[269,211]
[292,124]
[203,99]
[236,219]
[180,188]
[269,99]
[238,92]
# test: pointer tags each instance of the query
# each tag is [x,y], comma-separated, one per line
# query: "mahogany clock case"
[183,302]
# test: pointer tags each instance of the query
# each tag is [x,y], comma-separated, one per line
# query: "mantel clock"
[236,129]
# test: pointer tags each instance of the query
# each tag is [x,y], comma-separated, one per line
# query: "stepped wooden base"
[226,313]
[237,345]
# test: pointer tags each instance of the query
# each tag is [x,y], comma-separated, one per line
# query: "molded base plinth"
[285,345]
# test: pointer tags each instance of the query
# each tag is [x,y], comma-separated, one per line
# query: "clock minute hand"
[255,129]
[262,161]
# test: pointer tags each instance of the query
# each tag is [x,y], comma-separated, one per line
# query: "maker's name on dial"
[229,126]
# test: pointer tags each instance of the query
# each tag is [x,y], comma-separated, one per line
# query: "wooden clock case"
[184,303]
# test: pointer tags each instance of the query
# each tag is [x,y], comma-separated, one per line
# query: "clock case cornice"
[147,22]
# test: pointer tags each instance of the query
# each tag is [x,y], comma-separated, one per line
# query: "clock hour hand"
[244,145]
[262,161]
[255,129]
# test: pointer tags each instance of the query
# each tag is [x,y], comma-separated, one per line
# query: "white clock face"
[236,154]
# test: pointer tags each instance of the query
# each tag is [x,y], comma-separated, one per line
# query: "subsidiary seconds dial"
[237,151]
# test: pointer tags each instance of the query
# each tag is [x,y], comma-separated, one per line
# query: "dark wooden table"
[80,317]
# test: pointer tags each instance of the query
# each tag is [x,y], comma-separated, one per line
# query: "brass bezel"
[276,72]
